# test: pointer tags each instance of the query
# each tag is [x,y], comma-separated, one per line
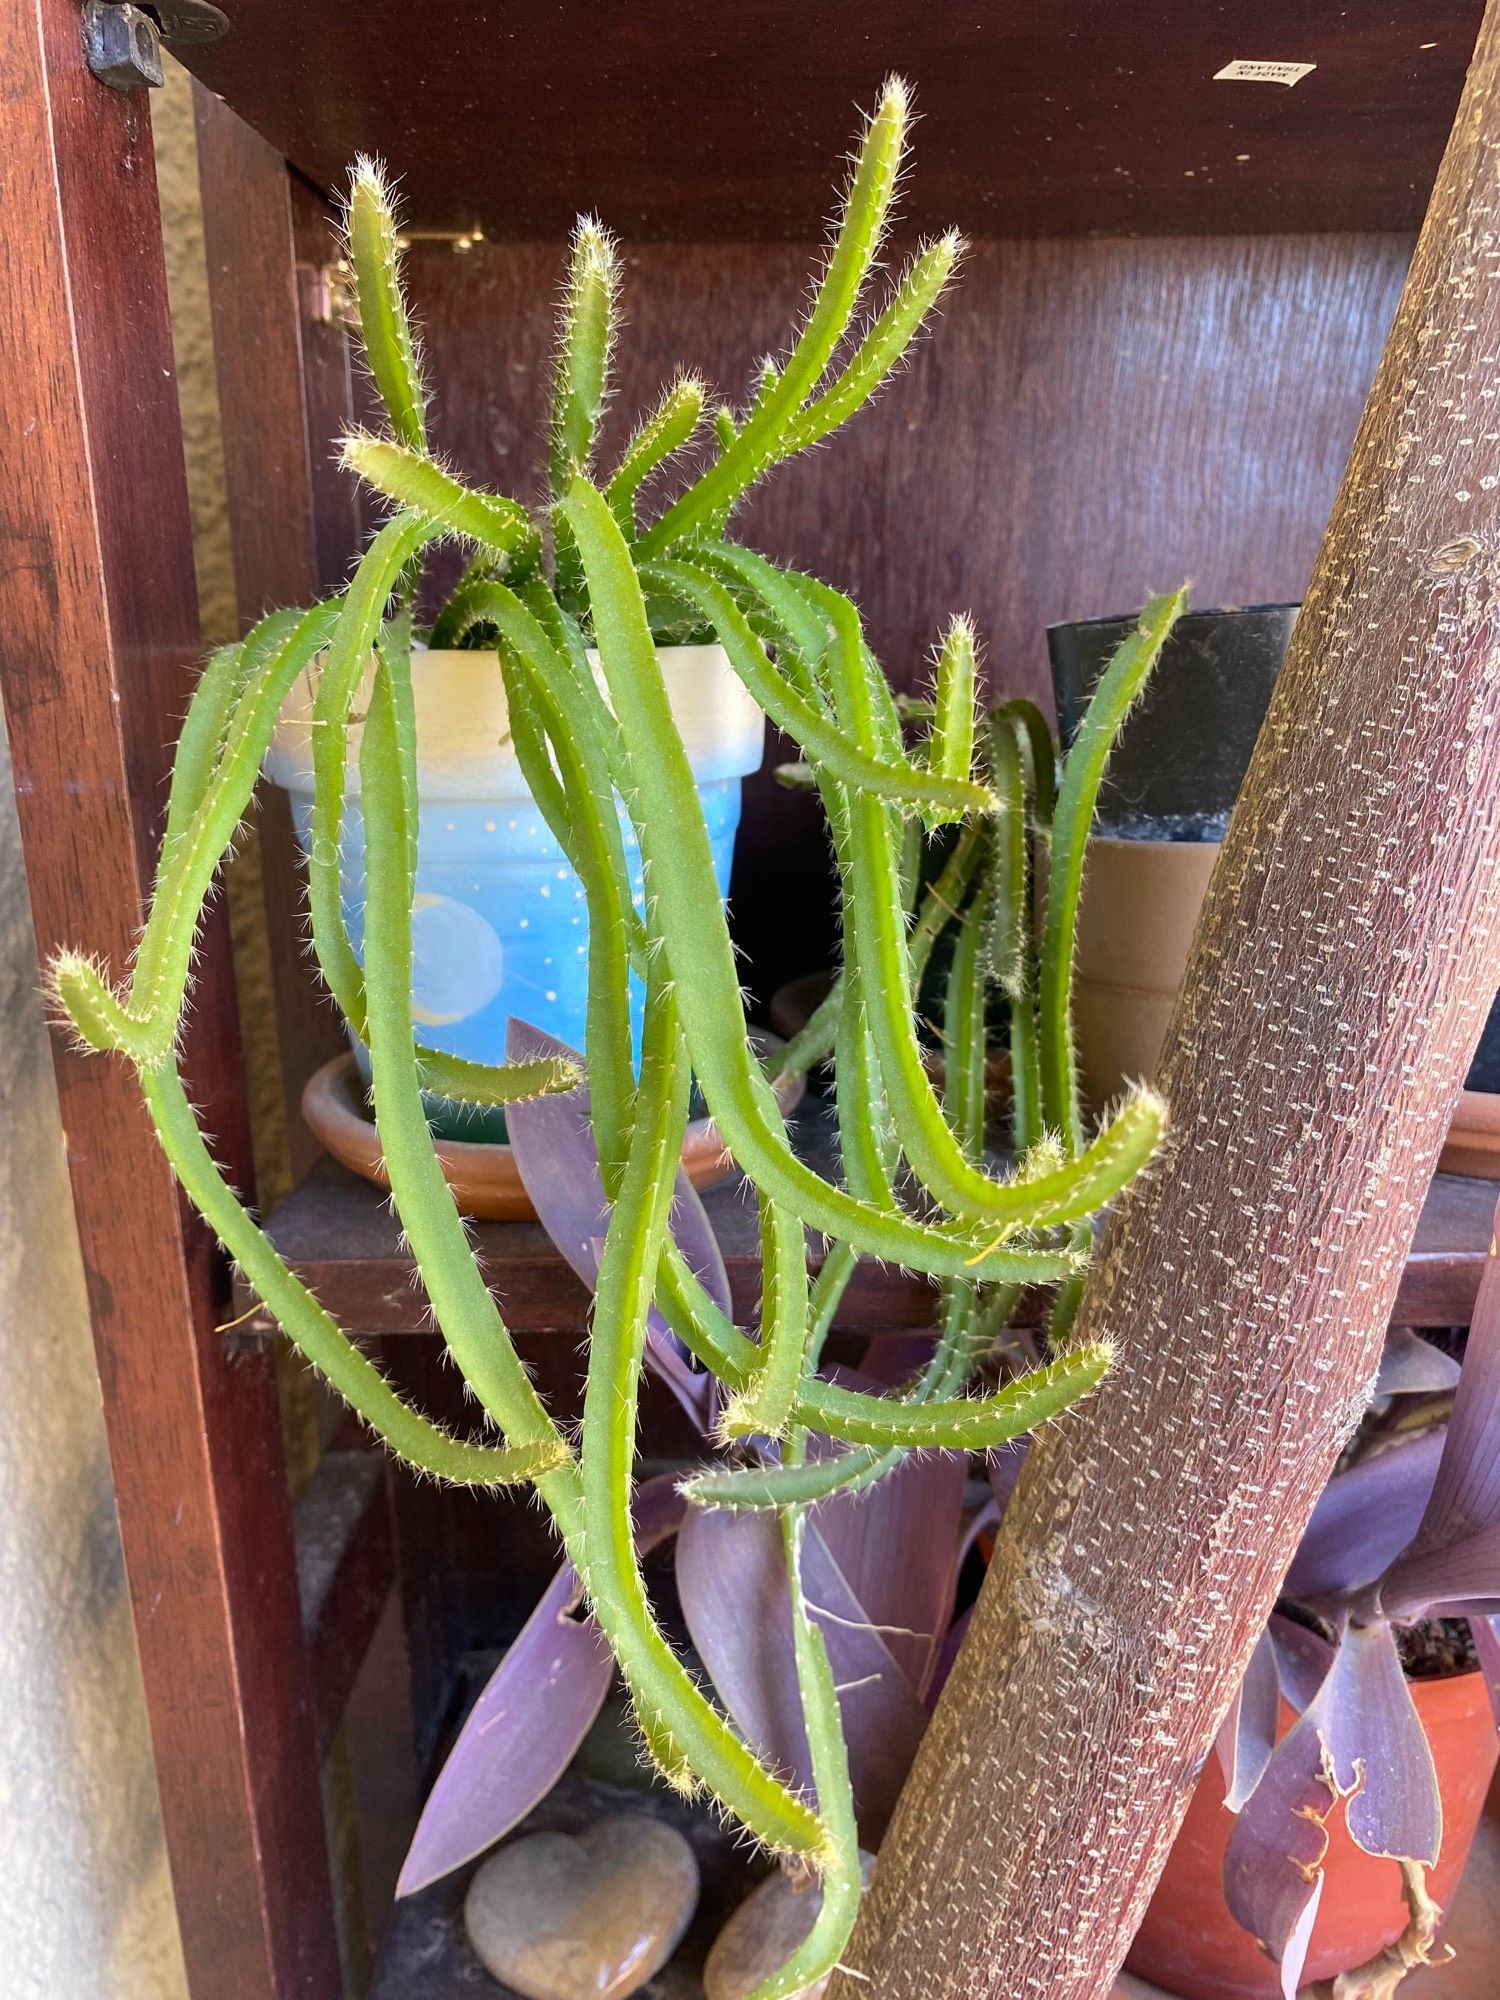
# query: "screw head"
[184,22]
[123,46]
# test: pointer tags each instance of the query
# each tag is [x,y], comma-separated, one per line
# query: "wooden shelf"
[1040,118]
[338,1233]
[340,1236]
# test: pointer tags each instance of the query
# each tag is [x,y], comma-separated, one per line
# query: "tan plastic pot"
[1140,906]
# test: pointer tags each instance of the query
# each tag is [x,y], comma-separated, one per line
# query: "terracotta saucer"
[483,1178]
[1473,1143]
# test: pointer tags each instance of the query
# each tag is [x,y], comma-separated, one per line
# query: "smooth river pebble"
[588,1916]
[762,1934]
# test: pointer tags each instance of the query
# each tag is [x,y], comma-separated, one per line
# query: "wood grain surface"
[98,644]
[686,120]
[284,397]
[338,1233]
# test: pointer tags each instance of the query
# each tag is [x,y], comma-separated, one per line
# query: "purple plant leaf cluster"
[900,1544]
[731,1575]
[1411,1532]
[880,1569]
[1359,1740]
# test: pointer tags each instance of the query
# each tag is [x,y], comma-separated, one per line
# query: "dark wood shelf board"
[1040,118]
[340,1236]
[1447,1260]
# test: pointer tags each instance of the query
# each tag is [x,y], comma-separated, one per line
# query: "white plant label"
[1264,72]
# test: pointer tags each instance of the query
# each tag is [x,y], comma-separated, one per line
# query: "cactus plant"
[612,582]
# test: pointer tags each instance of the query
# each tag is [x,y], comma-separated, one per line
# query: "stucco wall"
[86,1907]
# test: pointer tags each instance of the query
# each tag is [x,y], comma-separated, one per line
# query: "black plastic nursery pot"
[1473,1143]
[1184,750]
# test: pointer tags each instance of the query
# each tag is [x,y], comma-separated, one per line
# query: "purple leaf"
[557,1158]
[883,1720]
[1365,1518]
[1457,1580]
[897,1542]
[1303,1660]
[1273,1864]
[731,1576]
[1359,1736]
[1411,1366]
[1249,1732]
[1487,1644]
[535,1710]
[898,1547]
[1374,1728]
[519,1738]
[1466,1498]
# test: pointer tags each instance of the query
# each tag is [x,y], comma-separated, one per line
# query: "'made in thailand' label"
[1263,72]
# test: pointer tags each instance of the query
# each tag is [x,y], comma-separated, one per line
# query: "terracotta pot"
[483,1176]
[1191,1946]
[1140,906]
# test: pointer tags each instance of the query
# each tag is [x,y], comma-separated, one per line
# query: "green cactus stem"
[680,880]
[671,425]
[1120,687]
[762,441]
[384,327]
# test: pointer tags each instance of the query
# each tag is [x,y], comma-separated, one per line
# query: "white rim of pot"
[463,726]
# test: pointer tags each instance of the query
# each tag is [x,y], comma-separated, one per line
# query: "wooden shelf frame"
[100,645]
[339,1235]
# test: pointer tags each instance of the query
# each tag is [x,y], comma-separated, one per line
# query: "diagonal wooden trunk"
[1348,952]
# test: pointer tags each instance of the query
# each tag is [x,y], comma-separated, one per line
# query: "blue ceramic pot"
[500,925]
